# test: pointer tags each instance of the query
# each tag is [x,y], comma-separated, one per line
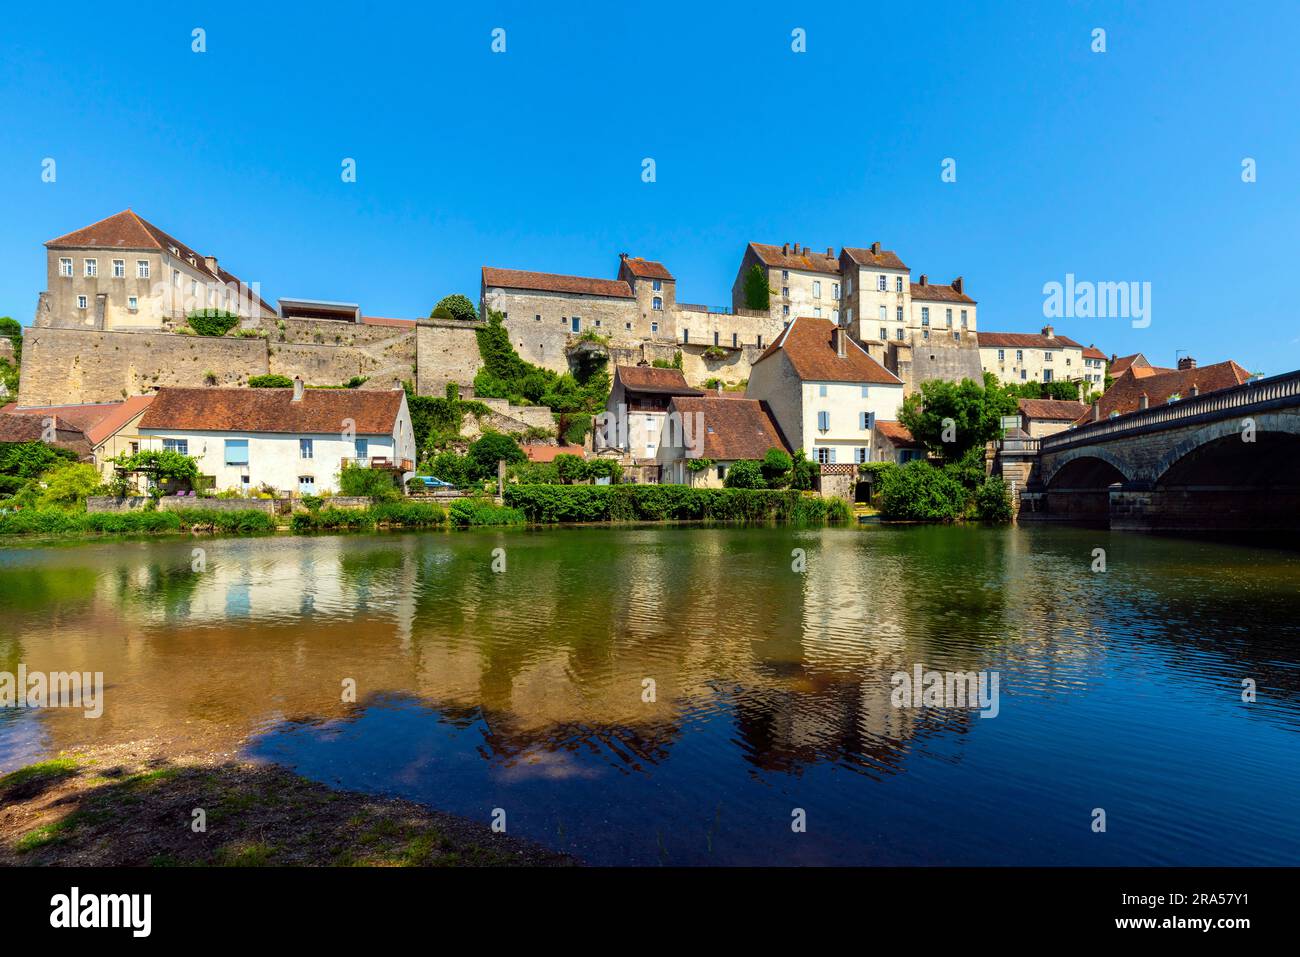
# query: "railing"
[1251,392]
[1018,445]
[378,462]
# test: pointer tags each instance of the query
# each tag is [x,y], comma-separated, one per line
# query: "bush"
[604,503]
[777,466]
[216,520]
[570,468]
[488,450]
[745,474]
[211,322]
[67,485]
[270,382]
[455,306]
[993,501]
[468,511]
[375,484]
[920,492]
[408,514]
[450,467]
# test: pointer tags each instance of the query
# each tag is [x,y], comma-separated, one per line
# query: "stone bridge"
[1228,459]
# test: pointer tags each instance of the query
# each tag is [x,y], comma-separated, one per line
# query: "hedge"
[609,503]
[59,522]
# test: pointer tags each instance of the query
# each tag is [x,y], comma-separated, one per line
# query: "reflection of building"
[288,439]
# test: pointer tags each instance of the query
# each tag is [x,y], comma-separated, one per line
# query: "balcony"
[379,462]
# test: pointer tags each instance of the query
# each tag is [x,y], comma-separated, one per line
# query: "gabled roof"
[1051,410]
[15,427]
[552,282]
[647,269]
[1024,340]
[1124,363]
[934,292]
[129,230]
[1092,352]
[807,342]
[1126,394]
[99,421]
[898,434]
[733,428]
[805,259]
[879,258]
[652,379]
[319,412]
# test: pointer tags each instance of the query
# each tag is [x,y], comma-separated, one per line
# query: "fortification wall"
[446,351]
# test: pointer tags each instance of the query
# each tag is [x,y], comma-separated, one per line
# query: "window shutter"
[832,455]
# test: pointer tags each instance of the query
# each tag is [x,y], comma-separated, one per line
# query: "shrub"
[604,503]
[211,322]
[375,484]
[67,485]
[777,466]
[745,474]
[468,511]
[920,492]
[217,520]
[455,306]
[408,514]
[757,289]
[488,450]
[993,501]
[450,467]
[271,381]
[570,468]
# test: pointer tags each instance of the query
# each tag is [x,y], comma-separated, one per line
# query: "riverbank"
[137,805]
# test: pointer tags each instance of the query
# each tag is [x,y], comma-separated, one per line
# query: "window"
[821,390]
[785,275]
[823,421]
[864,422]
[236,451]
[575,323]
[850,287]
[817,311]
[824,455]
[1067,360]
[92,267]
[537,318]
[142,269]
[1020,355]
[956,335]
[245,480]
[883,284]
[654,328]
[658,304]
[735,340]
[898,333]
[597,323]
[181,446]
[864,392]
[307,484]
[1047,375]
[1047,357]
[925,315]
[898,313]
[849,315]
[884,315]
[176,278]
[722,471]
[925,333]
[760,342]
[1022,375]
[963,318]
[860,455]
[817,289]
[898,285]
[65,266]
[785,292]
[363,448]
[686,335]
[785,310]
[81,302]
[715,338]
[884,334]
[1002,355]
[119,268]
[627,325]
[835,290]
[305,449]
[656,285]
[132,303]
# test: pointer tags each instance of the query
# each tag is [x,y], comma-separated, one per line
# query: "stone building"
[803,282]
[124,273]
[1040,418]
[714,432]
[1016,357]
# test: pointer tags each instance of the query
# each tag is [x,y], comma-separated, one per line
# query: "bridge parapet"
[1253,393]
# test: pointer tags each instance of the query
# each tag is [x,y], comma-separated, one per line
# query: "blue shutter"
[832,455]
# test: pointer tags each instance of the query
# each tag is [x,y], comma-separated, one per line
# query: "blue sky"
[1120,166]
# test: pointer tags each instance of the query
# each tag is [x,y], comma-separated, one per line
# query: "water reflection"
[770,686]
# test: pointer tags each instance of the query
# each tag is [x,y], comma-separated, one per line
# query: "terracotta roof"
[647,269]
[806,260]
[1024,340]
[884,259]
[1092,352]
[383,321]
[129,230]
[31,428]
[1054,410]
[652,379]
[1124,363]
[98,421]
[547,453]
[808,344]
[897,434]
[1126,394]
[320,412]
[733,429]
[551,282]
[933,292]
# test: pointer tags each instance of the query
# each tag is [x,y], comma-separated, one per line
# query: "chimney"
[875,249]
[1096,412]
[1049,332]
[297,388]
[1114,357]
[622,256]
[1185,363]
[785,250]
[957,284]
[925,280]
[397,385]
[211,263]
[841,347]
[830,252]
[1144,402]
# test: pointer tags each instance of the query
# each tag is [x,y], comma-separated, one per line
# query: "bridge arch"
[1091,465]
[1275,434]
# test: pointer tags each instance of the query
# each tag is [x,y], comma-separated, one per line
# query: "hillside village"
[142,345]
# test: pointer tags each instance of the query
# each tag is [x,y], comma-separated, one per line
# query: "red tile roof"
[806,259]
[551,282]
[882,259]
[99,421]
[733,429]
[1124,363]
[320,412]
[129,230]
[1024,340]
[547,453]
[897,434]
[653,379]
[31,428]
[647,269]
[934,292]
[808,344]
[1092,352]
[1126,394]
[1051,410]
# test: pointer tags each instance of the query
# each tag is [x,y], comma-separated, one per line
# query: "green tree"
[920,492]
[488,450]
[777,466]
[68,485]
[757,289]
[375,484]
[12,330]
[950,418]
[993,500]
[745,473]
[455,306]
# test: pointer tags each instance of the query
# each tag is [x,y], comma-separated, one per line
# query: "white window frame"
[91,268]
[83,302]
[133,303]
[65,266]
[142,269]
[119,268]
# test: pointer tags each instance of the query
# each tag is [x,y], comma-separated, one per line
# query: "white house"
[635,411]
[715,433]
[289,439]
[824,391]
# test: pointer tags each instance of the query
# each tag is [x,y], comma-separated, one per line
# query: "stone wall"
[335,365]
[447,351]
[63,366]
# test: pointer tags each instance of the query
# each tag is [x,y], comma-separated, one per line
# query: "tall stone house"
[1016,357]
